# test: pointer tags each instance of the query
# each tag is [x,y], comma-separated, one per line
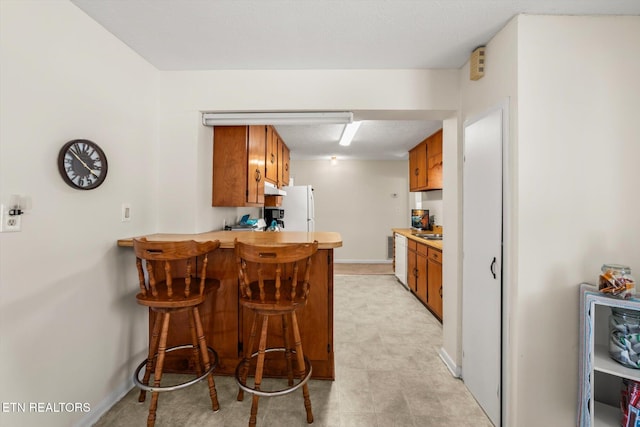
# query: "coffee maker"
[271,214]
[420,219]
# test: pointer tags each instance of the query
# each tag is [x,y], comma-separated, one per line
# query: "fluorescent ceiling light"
[349,132]
[277,118]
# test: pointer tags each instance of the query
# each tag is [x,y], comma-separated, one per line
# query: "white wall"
[355,198]
[573,88]
[69,324]
[578,186]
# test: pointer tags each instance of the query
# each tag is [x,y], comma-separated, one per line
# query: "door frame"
[508,234]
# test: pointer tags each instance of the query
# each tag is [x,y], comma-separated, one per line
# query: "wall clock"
[82,164]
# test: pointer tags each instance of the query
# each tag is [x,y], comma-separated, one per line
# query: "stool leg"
[247,356]
[153,348]
[157,374]
[287,348]
[259,367]
[301,365]
[194,342]
[205,359]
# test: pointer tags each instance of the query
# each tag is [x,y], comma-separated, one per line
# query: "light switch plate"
[126,212]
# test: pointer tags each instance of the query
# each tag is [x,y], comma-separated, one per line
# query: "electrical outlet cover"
[9,223]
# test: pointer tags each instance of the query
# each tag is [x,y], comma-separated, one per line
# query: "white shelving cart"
[599,373]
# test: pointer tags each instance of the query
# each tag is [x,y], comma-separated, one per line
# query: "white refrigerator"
[299,212]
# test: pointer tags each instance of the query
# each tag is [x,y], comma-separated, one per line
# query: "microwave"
[420,219]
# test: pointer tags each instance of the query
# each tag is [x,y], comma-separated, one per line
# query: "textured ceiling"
[324,34]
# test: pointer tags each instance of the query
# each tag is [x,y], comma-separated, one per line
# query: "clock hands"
[83,163]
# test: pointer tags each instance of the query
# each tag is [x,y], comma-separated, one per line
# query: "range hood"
[272,190]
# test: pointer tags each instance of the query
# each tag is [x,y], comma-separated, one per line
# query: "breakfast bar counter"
[227,325]
[326,239]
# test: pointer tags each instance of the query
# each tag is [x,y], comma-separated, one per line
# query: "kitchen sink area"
[429,236]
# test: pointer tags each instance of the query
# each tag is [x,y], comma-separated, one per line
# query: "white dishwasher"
[401,259]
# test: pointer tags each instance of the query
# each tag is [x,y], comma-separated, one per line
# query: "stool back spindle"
[148,253]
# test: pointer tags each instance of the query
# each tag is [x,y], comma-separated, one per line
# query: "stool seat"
[178,298]
[274,281]
[172,278]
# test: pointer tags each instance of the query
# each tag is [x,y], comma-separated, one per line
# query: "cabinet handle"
[273,158]
[491,268]
[258,175]
[286,167]
[416,172]
[440,291]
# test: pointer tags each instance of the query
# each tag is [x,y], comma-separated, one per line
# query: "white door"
[482,261]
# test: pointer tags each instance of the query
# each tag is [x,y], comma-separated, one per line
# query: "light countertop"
[411,234]
[326,239]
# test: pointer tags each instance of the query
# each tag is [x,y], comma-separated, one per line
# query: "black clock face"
[82,164]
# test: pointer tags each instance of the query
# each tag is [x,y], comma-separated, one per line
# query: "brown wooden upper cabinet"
[271,156]
[425,164]
[239,165]
[244,157]
[277,159]
[283,164]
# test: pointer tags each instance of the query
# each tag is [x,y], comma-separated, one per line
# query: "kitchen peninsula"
[227,327]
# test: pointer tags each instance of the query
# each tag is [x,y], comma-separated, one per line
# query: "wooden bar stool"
[274,281]
[166,271]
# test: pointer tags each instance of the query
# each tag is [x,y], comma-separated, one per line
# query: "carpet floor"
[388,374]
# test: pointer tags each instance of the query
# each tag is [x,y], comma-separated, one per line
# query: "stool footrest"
[139,384]
[300,383]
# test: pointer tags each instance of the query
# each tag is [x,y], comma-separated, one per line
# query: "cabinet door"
[412,268]
[230,166]
[255,172]
[418,167]
[421,280]
[284,164]
[434,281]
[271,156]
[434,161]
[421,272]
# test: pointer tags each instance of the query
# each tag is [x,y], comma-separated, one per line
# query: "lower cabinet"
[424,275]
[417,269]
[434,280]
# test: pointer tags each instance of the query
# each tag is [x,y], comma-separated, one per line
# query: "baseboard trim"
[453,368]
[101,408]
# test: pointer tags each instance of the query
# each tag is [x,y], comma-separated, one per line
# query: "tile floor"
[388,374]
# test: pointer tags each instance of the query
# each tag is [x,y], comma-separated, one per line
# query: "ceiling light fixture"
[349,132]
[334,160]
[277,118]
